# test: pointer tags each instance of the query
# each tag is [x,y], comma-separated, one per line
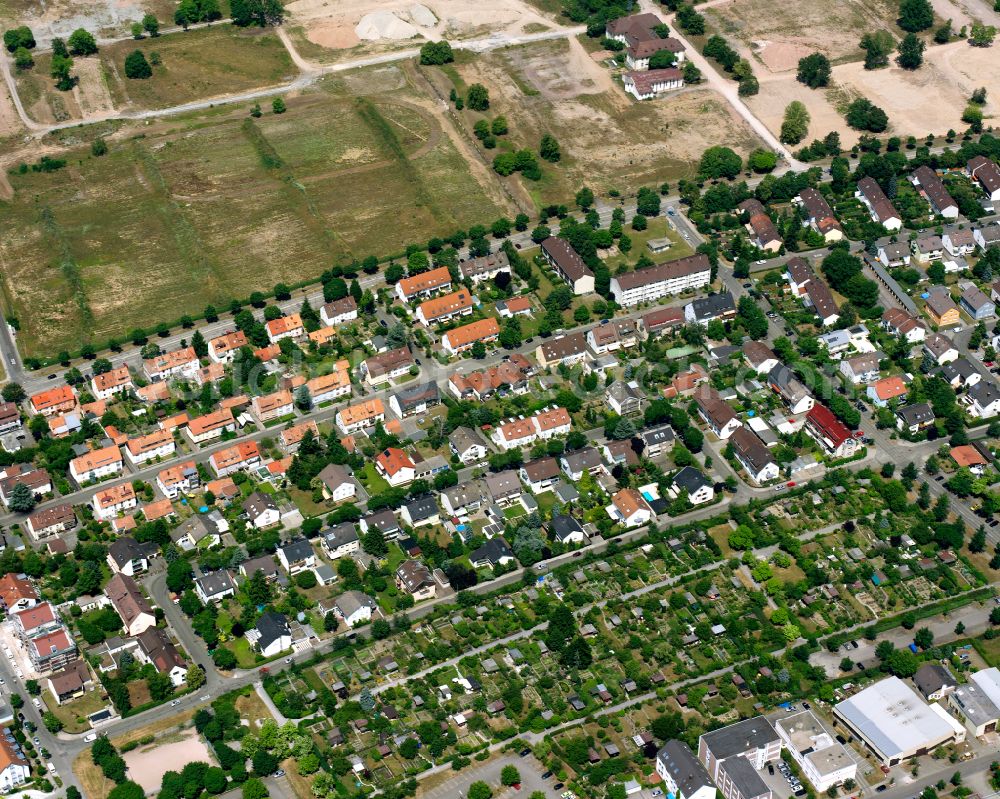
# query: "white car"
[36,702]
[90,736]
[175,703]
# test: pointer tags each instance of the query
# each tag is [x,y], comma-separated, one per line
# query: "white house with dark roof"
[699,488]
[214,586]
[296,556]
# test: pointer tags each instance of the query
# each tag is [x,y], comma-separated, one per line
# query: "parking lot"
[20,660]
[529,768]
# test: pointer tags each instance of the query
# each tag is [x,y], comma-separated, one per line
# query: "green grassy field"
[196,64]
[165,224]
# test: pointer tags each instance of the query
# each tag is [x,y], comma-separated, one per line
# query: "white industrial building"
[893,721]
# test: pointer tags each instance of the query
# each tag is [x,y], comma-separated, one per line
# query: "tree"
[719,162]
[22,499]
[13,392]
[923,638]
[982,35]
[127,790]
[478,98]
[509,775]
[254,788]
[82,42]
[662,59]
[478,790]
[915,15]
[194,677]
[151,25]
[862,114]
[877,47]
[911,52]
[436,53]
[51,722]
[814,71]
[60,68]
[278,105]
[137,67]
[796,123]
[549,149]
[303,399]
[16,38]
[23,58]
[257,12]
[762,161]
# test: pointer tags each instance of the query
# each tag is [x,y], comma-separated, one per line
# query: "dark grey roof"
[422,508]
[492,552]
[503,484]
[663,434]
[271,627]
[740,737]
[350,601]
[690,479]
[584,459]
[563,526]
[464,438]
[932,677]
[745,777]
[707,308]
[262,563]
[382,520]
[961,369]
[297,550]
[125,550]
[343,533]
[984,392]
[259,502]
[918,413]
[681,764]
[196,526]
[334,475]
[414,396]
[216,582]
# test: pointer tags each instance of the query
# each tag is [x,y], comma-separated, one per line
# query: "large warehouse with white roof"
[895,723]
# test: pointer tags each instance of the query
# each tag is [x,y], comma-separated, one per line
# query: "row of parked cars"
[791,779]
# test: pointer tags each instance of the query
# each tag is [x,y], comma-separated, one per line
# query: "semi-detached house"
[716,413]
[211,426]
[284,327]
[96,465]
[934,191]
[177,365]
[273,406]
[568,349]
[114,500]
[223,349]
[108,384]
[60,399]
[241,457]
[753,455]
[51,521]
[987,173]
[326,388]
[880,208]
[673,277]
[386,366]
[445,308]
[182,478]
[143,449]
[820,215]
[413,288]
[339,311]
[360,416]
[463,338]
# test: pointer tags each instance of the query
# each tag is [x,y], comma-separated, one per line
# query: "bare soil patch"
[932,98]
[833,27]
[777,91]
[148,764]
[334,35]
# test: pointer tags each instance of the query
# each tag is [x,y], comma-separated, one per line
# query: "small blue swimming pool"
[462,528]
[649,497]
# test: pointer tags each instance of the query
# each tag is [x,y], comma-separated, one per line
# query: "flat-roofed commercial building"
[895,723]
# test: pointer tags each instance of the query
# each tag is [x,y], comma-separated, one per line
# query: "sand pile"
[421,15]
[384,25]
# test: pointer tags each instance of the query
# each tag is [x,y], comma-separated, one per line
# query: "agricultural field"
[608,141]
[170,220]
[199,64]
